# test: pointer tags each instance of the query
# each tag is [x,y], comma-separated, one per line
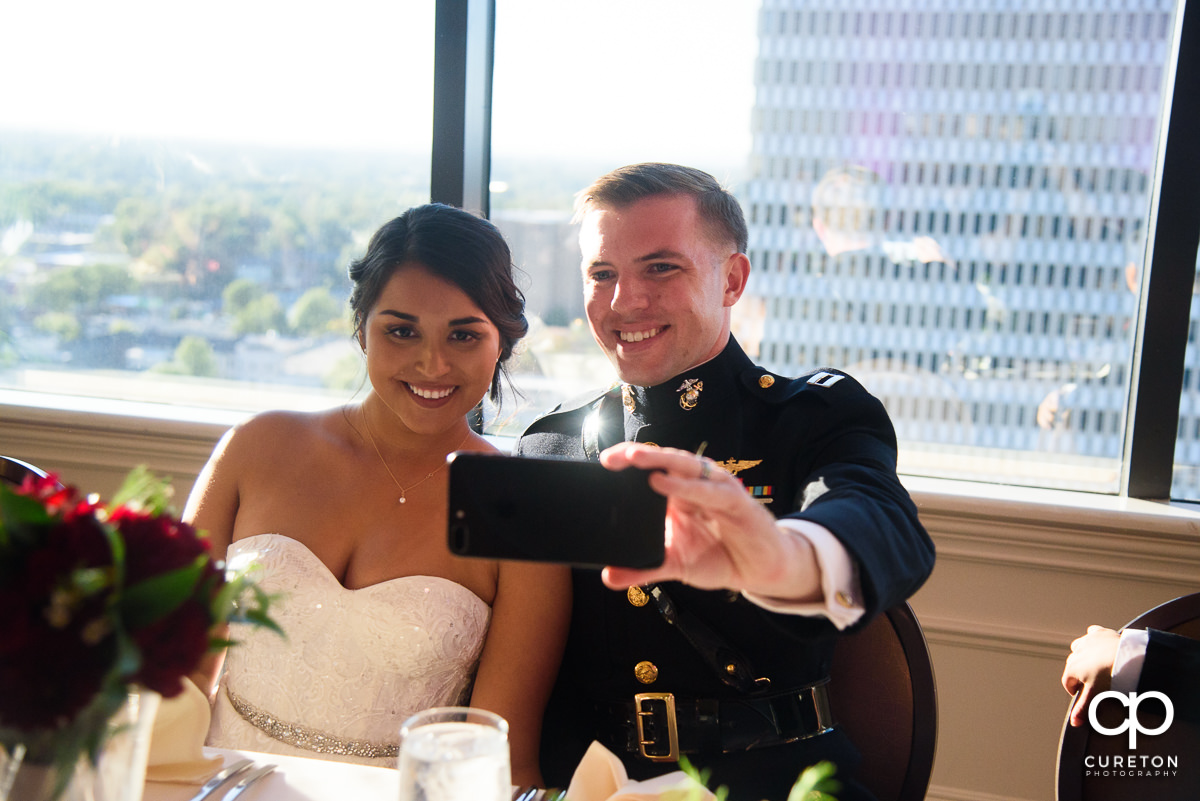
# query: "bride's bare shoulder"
[480,444]
[283,429]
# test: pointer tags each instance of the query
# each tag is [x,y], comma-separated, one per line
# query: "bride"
[344,512]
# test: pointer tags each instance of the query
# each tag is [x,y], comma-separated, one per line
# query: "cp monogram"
[1132,722]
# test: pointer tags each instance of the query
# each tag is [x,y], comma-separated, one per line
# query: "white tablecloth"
[296,779]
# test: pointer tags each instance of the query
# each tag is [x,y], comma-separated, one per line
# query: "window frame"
[1160,342]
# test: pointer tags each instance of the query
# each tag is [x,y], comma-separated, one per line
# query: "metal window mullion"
[464,32]
[1166,292]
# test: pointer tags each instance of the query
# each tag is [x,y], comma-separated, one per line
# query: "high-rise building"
[545,246]
[949,201]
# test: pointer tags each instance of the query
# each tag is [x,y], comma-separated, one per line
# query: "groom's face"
[657,287]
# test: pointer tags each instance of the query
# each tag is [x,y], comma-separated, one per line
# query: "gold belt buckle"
[672,754]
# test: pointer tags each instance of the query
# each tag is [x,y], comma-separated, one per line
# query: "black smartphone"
[553,510]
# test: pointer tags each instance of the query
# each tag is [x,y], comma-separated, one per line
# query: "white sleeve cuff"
[842,603]
[1127,665]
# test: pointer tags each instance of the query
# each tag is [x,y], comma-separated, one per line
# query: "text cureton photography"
[1131,765]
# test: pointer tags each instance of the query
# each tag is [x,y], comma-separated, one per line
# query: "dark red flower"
[172,647]
[57,648]
[156,544]
[74,578]
[57,675]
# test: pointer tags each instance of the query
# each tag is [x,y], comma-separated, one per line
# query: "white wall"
[1020,574]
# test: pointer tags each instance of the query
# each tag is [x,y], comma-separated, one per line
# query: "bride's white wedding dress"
[354,663]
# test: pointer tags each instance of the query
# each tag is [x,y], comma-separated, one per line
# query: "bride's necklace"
[404,492]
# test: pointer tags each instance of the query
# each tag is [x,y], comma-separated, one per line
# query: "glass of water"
[454,753]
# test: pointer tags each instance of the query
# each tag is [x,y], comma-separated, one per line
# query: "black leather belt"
[660,727]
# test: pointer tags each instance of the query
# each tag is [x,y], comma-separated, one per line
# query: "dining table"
[297,778]
[294,779]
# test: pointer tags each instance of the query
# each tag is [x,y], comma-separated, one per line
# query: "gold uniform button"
[645,672]
[637,596]
[766,381]
[845,599]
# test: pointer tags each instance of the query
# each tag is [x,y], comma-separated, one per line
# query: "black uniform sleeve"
[1172,667]
[848,484]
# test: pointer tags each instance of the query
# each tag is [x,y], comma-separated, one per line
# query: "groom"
[790,529]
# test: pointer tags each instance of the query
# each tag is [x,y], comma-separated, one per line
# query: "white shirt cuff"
[840,586]
[1127,665]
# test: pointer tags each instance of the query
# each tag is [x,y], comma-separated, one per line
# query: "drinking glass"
[454,753]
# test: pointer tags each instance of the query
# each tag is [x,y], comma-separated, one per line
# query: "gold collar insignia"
[691,393]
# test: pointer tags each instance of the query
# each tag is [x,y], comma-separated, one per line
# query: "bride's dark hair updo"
[458,247]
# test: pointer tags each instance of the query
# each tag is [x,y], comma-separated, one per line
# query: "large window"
[182,186]
[959,205]
[950,203]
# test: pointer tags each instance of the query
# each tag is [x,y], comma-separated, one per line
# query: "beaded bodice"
[354,663]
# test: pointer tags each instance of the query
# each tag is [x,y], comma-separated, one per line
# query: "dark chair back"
[884,697]
[1079,743]
[14,471]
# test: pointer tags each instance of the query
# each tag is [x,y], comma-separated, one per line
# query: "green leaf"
[88,581]
[144,490]
[156,597]
[23,520]
[701,778]
[128,661]
[816,783]
[116,544]
[233,605]
[224,603]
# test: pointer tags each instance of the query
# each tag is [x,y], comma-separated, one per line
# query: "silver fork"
[222,776]
[247,780]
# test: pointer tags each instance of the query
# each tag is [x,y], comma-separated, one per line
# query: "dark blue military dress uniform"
[737,689]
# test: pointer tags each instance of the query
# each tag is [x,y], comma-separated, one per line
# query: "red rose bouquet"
[98,600]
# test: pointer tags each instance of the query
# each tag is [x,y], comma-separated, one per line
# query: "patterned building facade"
[949,199]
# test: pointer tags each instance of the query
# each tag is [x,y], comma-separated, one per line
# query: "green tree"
[348,374]
[104,281]
[60,292]
[227,233]
[195,356]
[239,294]
[122,326]
[316,312]
[8,317]
[138,223]
[81,289]
[260,316]
[63,325]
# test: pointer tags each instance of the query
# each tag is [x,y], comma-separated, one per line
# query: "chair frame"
[923,738]
[14,470]
[1073,741]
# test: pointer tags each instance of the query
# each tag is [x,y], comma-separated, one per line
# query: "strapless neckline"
[352,665]
[243,553]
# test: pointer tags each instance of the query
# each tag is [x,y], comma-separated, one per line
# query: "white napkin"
[177,740]
[600,776]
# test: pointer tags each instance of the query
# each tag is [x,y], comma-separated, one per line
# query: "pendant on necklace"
[403,499]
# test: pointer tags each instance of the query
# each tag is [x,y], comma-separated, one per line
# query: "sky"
[630,79]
